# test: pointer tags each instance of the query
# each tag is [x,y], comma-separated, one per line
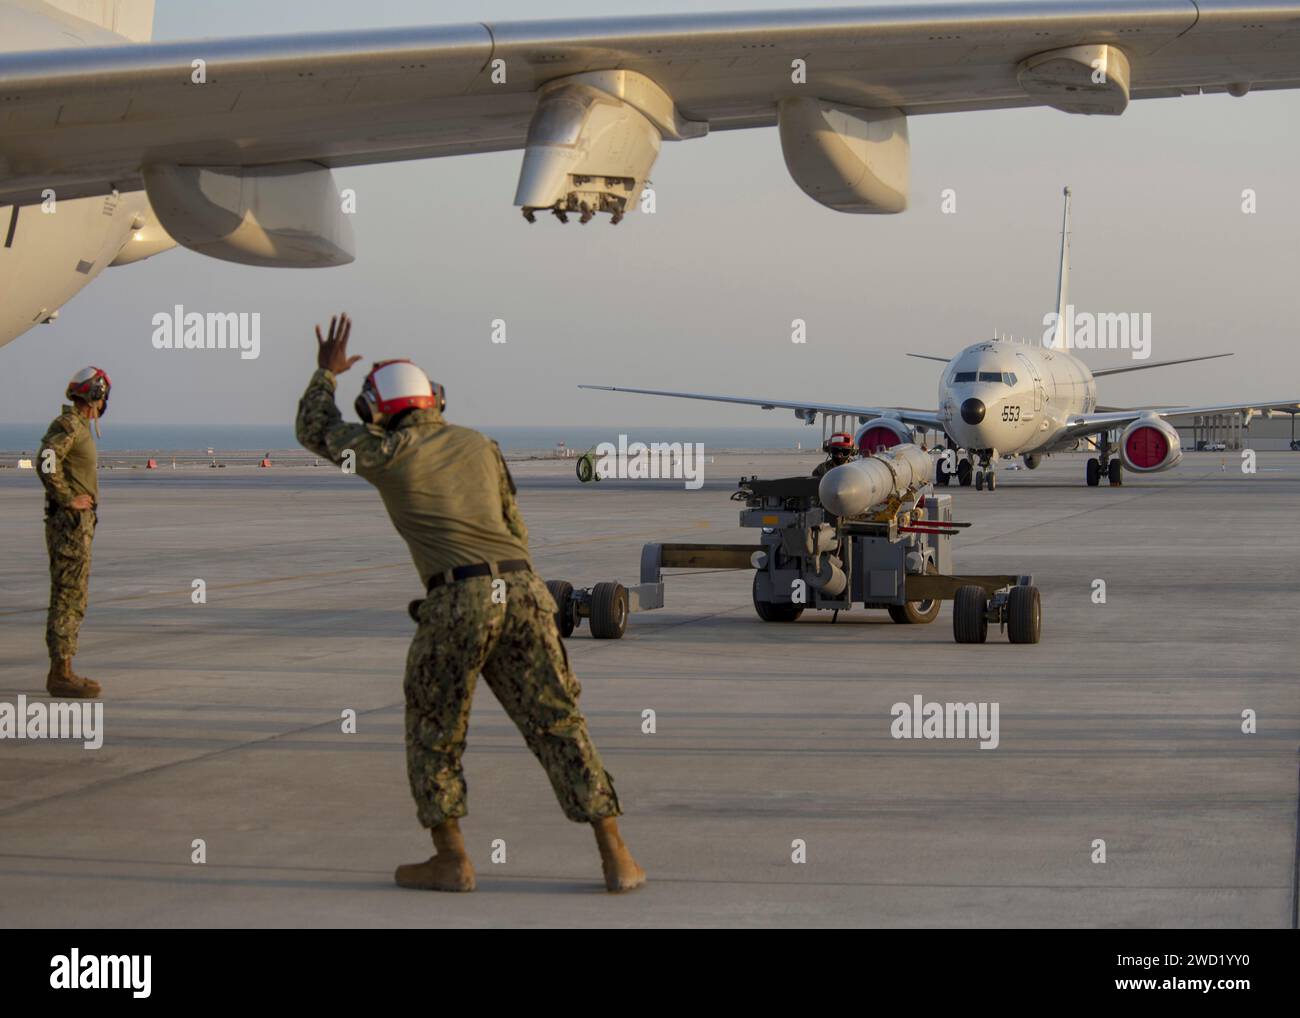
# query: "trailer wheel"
[970,623]
[1024,615]
[914,613]
[608,611]
[770,611]
[565,618]
[586,469]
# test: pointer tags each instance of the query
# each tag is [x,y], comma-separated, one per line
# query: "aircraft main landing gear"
[1102,465]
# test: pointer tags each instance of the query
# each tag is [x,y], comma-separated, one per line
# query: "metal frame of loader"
[900,560]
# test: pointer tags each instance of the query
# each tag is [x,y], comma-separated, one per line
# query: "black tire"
[941,476]
[979,480]
[586,469]
[914,613]
[993,480]
[1024,615]
[964,470]
[608,611]
[970,622]
[1115,473]
[565,619]
[1092,473]
[770,611]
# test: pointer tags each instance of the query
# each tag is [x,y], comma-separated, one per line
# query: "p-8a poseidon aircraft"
[114,148]
[1000,399]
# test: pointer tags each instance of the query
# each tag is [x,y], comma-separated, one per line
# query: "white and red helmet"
[90,385]
[394,386]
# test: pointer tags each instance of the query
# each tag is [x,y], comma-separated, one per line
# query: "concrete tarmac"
[223,719]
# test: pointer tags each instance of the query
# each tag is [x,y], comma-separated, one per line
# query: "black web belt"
[513,565]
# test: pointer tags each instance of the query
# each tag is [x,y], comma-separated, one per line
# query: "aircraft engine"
[882,433]
[846,158]
[1149,445]
[288,215]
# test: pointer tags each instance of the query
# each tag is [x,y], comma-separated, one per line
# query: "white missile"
[855,487]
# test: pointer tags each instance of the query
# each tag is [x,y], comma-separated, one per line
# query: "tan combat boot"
[621,871]
[64,682]
[448,870]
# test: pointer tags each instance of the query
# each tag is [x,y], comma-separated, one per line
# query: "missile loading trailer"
[895,555]
[871,532]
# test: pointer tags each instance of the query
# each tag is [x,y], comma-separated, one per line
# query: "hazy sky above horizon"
[700,296]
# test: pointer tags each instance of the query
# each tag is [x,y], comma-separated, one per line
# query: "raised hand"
[332,350]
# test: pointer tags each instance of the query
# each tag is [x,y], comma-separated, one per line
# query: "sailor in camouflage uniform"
[839,450]
[66,465]
[450,496]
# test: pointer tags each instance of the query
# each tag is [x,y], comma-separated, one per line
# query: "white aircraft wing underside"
[85,120]
[919,418]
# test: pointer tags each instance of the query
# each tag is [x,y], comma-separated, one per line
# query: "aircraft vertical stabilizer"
[1063,278]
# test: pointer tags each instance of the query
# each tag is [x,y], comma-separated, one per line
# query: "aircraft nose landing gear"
[986,475]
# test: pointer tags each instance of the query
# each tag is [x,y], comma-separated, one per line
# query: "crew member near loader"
[838,449]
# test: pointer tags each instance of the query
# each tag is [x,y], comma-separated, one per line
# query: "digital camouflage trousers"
[512,640]
[68,535]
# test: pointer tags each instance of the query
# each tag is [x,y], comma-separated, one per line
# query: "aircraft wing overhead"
[85,120]
[919,418]
[1095,423]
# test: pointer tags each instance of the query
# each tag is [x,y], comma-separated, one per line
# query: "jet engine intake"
[882,433]
[1149,445]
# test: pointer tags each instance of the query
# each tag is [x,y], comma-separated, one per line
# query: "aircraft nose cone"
[972,411]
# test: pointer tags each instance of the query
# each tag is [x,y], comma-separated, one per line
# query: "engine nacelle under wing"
[882,433]
[288,215]
[1149,445]
[846,158]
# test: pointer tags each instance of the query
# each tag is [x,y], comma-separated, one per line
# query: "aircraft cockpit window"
[963,376]
[991,376]
[1009,377]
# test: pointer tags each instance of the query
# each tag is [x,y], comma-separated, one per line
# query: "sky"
[700,296]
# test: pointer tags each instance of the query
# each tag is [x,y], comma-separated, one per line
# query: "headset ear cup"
[362,407]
